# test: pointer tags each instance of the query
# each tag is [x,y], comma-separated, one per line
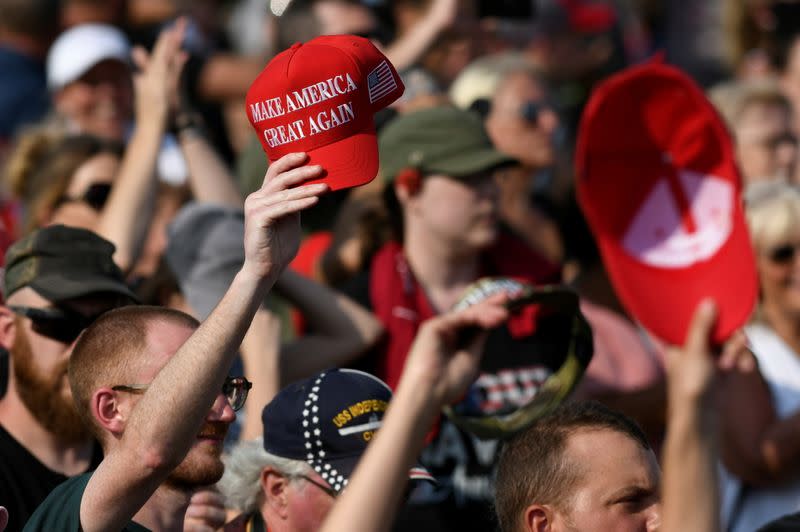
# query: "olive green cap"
[62,263]
[438,140]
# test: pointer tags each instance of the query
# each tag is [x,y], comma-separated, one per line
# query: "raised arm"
[164,423]
[690,488]
[127,214]
[260,352]
[210,179]
[437,372]
[341,329]
[407,49]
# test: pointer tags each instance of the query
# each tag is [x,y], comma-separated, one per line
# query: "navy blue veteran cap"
[327,421]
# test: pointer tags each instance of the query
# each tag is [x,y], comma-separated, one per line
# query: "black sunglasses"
[782,254]
[58,324]
[95,196]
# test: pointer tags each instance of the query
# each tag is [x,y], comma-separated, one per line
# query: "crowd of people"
[179,352]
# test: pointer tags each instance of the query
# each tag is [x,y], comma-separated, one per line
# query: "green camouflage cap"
[437,140]
[61,263]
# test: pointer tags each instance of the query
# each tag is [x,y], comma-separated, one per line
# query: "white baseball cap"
[80,48]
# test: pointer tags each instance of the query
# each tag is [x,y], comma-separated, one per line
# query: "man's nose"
[222,410]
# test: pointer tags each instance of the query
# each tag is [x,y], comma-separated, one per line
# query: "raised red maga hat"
[659,186]
[320,98]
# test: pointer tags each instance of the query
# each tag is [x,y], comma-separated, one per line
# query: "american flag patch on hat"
[380,82]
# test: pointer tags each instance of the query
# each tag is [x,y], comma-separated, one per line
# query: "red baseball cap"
[659,186]
[320,98]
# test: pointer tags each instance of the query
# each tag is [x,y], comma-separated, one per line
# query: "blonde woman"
[761,419]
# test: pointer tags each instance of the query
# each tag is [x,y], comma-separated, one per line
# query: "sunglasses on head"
[95,196]
[58,324]
[235,390]
[782,254]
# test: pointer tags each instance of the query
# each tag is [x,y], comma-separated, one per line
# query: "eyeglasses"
[58,324]
[783,254]
[95,196]
[235,390]
[330,491]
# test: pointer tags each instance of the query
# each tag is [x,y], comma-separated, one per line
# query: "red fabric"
[311,251]
[305,263]
[589,17]
[659,185]
[320,98]
[401,304]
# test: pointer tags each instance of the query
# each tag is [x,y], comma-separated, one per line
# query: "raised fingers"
[736,354]
[284,164]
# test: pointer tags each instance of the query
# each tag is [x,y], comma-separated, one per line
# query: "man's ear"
[539,518]
[106,410]
[8,327]
[276,491]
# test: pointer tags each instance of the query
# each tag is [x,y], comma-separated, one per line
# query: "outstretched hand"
[272,215]
[693,370]
[446,352]
[156,83]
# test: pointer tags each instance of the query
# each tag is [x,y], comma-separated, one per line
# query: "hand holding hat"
[272,215]
[320,98]
[446,352]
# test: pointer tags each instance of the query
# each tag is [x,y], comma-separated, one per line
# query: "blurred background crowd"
[156,155]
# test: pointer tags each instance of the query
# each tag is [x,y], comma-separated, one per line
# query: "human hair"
[732,98]
[34,18]
[533,467]
[41,168]
[241,483]
[112,349]
[772,210]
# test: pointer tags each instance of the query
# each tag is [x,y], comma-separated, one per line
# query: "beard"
[202,465]
[43,394]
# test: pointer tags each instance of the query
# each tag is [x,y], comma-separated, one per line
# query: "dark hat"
[205,249]
[327,421]
[442,140]
[61,263]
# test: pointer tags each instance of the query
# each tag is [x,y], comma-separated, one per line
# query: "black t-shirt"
[62,509]
[24,481]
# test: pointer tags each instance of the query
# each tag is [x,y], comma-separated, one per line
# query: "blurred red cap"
[658,183]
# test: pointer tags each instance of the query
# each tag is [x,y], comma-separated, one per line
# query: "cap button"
[296,45]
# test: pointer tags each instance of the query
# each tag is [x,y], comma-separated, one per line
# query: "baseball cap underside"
[664,301]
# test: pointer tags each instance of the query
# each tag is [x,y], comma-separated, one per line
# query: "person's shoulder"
[61,509]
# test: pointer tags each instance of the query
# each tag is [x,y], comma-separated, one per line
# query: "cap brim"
[469,163]
[344,467]
[350,162]
[60,288]
[664,301]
